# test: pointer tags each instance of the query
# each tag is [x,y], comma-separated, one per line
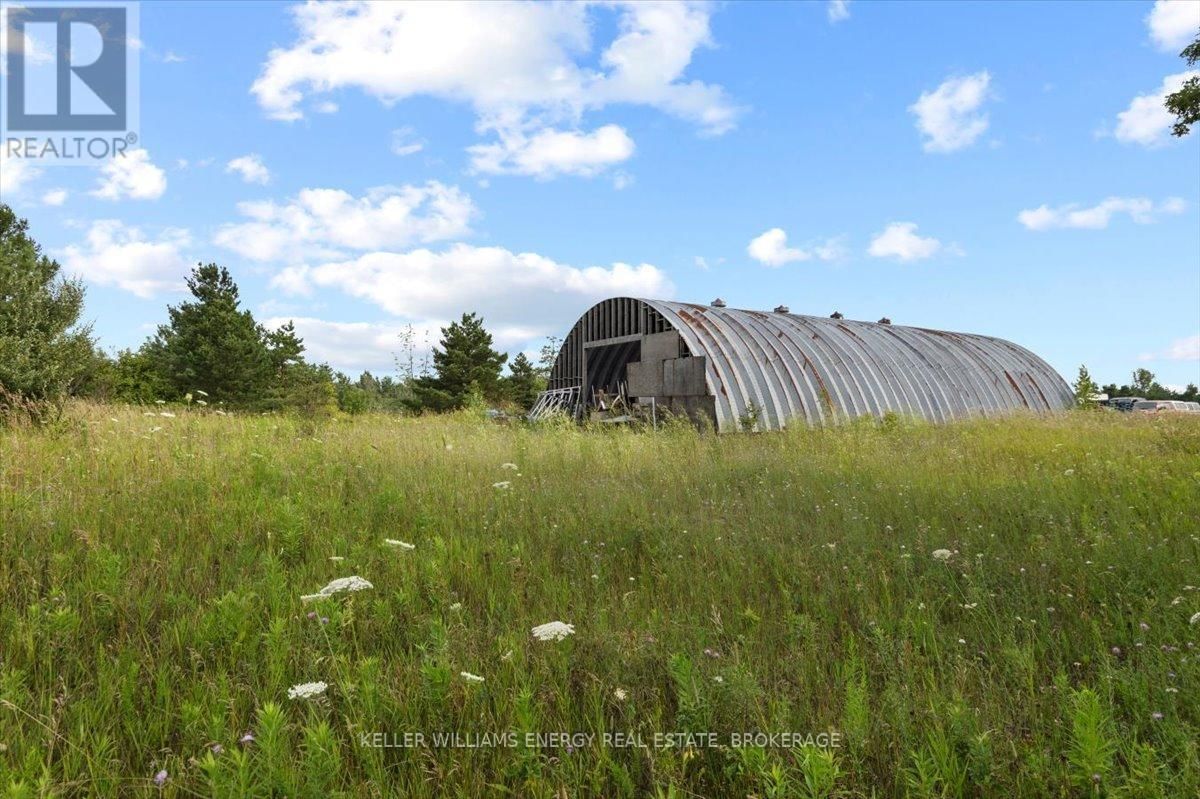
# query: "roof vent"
[718,303]
[836,315]
[885,321]
[782,309]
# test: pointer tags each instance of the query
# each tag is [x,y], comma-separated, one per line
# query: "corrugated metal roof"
[789,366]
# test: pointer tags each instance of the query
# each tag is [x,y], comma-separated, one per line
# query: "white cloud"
[1147,121]
[949,116]
[1140,210]
[131,175]
[507,288]
[527,69]
[1181,349]
[1173,23]
[900,240]
[354,347]
[771,249]
[405,142]
[172,57]
[251,168]
[120,255]
[838,10]
[321,223]
[55,197]
[548,153]
[14,174]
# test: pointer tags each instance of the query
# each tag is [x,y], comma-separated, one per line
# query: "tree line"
[212,351]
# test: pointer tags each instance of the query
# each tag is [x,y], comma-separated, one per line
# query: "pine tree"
[211,345]
[43,349]
[1085,389]
[524,383]
[464,365]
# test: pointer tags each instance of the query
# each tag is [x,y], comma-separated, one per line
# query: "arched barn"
[732,365]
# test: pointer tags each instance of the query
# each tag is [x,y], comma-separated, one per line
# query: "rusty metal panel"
[816,369]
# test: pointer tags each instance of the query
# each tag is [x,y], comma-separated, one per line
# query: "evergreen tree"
[211,344]
[1085,389]
[466,364]
[524,382]
[43,349]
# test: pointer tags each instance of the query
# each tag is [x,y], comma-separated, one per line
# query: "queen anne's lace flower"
[553,631]
[398,544]
[469,677]
[354,583]
[942,554]
[307,690]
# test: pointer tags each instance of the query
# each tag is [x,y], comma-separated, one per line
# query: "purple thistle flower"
[217,749]
[160,778]
[248,738]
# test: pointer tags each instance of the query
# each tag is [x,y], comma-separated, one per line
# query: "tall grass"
[151,570]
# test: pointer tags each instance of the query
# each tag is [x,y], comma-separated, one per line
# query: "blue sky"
[998,168]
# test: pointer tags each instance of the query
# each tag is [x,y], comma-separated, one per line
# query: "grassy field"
[151,620]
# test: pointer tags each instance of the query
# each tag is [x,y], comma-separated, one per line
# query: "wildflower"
[336,558]
[712,653]
[221,412]
[202,393]
[307,690]
[553,631]
[1195,619]
[456,606]
[962,640]
[167,415]
[507,656]
[1069,472]
[619,694]
[201,402]
[393,542]
[160,402]
[469,677]
[354,583]
[160,778]
[248,738]
[718,679]
[942,554]
[503,485]
[217,749]
[511,466]
[1143,626]
[1156,715]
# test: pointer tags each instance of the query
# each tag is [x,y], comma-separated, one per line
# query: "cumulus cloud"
[15,173]
[949,117]
[322,223]
[251,168]
[131,175]
[354,347]
[838,10]
[1181,349]
[507,288]
[527,69]
[1173,23]
[1147,121]
[899,240]
[55,197]
[548,153]
[771,249]
[1139,209]
[405,141]
[120,255]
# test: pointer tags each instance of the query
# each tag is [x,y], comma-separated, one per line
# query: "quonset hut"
[732,365]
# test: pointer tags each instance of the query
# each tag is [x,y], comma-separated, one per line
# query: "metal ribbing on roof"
[790,366]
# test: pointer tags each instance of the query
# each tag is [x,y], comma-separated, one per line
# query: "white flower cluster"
[942,554]
[553,631]
[354,583]
[307,690]
[393,542]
